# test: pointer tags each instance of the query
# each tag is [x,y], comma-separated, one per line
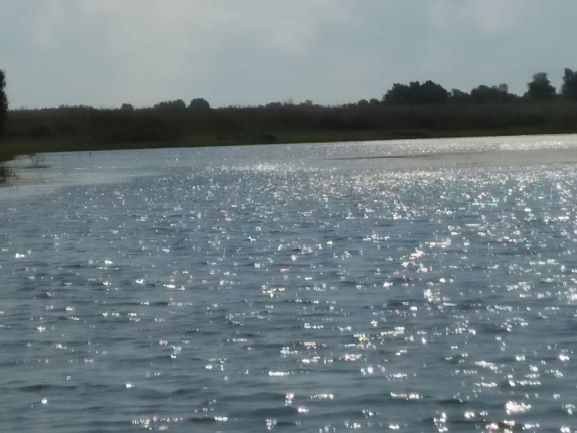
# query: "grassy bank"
[85,128]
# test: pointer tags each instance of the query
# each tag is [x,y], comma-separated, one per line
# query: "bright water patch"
[247,290]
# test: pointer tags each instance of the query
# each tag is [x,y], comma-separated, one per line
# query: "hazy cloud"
[105,52]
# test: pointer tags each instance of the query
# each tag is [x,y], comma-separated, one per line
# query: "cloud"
[158,49]
[105,52]
[488,16]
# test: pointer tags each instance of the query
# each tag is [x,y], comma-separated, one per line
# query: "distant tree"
[503,87]
[76,108]
[484,93]
[274,105]
[177,104]
[569,89]
[402,93]
[540,88]
[3,101]
[493,94]
[432,93]
[459,96]
[127,107]
[417,93]
[199,104]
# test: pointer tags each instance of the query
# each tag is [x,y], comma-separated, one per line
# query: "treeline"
[405,111]
[539,89]
[3,102]
[289,122]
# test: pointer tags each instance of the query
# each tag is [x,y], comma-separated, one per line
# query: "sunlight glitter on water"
[272,295]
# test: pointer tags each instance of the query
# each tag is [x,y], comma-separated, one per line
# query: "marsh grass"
[85,128]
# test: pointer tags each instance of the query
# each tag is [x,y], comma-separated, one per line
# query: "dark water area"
[290,289]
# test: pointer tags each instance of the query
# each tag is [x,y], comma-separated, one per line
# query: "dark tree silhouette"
[199,104]
[540,88]
[432,93]
[3,101]
[569,89]
[459,96]
[129,108]
[493,94]
[417,93]
[402,93]
[171,105]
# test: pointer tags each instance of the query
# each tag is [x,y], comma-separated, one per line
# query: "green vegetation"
[540,88]
[3,101]
[406,111]
[569,88]
[417,93]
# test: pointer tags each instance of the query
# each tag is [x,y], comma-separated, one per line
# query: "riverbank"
[13,147]
[86,128]
[382,155]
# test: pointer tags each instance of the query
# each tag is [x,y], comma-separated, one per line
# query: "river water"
[411,286]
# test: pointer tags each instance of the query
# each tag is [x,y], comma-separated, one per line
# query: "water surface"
[321,288]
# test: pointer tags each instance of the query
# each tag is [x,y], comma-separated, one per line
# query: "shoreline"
[88,129]
[420,153]
[541,149]
[15,147]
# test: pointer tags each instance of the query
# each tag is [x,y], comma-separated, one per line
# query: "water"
[299,288]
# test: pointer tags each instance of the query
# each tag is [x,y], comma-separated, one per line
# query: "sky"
[246,52]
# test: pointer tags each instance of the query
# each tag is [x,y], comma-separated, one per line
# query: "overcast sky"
[241,52]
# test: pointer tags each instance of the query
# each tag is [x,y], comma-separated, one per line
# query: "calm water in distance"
[291,288]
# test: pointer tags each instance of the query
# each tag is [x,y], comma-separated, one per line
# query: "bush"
[3,101]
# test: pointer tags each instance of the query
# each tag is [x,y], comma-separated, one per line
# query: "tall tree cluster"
[569,89]
[417,93]
[539,89]
[3,101]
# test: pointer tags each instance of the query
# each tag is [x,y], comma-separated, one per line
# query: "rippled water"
[291,288]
